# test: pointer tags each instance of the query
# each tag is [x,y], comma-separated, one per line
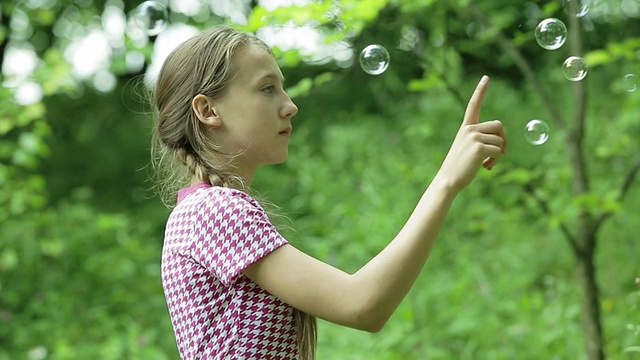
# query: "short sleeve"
[233,232]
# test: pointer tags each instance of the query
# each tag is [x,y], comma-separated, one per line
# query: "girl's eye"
[268,89]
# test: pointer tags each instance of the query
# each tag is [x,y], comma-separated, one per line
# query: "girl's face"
[255,111]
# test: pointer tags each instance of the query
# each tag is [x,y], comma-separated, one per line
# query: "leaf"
[6,125]
[45,17]
[8,259]
[518,176]
[323,78]
[598,57]
[52,248]
[302,88]
[424,84]
[24,159]
[34,111]
[29,142]
[613,52]
[258,18]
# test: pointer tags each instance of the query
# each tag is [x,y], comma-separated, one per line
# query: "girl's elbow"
[376,327]
[371,321]
[368,310]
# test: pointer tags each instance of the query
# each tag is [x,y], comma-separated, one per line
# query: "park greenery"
[538,258]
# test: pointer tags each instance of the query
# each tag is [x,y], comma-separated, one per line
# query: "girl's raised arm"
[366,299]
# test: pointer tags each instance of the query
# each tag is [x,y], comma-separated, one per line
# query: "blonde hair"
[181,153]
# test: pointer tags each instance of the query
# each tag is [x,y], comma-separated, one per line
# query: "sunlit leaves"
[55,75]
[613,51]
[338,20]
[91,274]
[304,86]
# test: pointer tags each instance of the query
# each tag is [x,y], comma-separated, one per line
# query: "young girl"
[235,288]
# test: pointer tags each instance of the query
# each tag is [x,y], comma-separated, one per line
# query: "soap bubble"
[475,30]
[581,7]
[551,34]
[575,68]
[536,132]
[374,59]
[631,82]
[151,17]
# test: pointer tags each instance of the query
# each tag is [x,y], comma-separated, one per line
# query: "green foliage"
[80,235]
[22,146]
[76,284]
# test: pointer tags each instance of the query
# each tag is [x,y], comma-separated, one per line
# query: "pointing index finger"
[472,113]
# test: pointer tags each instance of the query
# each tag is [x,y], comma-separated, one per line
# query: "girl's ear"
[203,108]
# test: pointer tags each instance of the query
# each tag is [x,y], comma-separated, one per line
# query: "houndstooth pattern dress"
[218,313]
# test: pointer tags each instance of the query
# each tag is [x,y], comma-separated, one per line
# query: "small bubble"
[536,132]
[631,82]
[151,17]
[638,280]
[575,68]
[475,30]
[580,10]
[374,59]
[551,34]
[410,39]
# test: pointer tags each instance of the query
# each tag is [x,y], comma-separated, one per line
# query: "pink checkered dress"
[218,313]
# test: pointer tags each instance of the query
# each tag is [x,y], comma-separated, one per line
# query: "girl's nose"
[290,109]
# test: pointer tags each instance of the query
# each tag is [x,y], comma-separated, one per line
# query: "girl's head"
[221,110]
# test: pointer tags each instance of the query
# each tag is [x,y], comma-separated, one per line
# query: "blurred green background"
[81,229]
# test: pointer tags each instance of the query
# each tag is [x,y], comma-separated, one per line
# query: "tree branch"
[524,67]
[631,176]
[451,88]
[5,21]
[577,131]
[624,189]
[544,206]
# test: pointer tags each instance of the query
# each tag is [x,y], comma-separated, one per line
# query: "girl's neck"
[238,183]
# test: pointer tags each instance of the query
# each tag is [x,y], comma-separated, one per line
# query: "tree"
[593,209]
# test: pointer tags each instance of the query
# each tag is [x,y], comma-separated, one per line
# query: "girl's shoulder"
[207,195]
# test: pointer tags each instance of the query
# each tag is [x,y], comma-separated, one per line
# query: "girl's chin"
[281,158]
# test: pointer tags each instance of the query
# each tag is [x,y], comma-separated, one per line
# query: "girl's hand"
[475,144]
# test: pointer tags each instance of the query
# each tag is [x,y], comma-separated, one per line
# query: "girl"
[235,288]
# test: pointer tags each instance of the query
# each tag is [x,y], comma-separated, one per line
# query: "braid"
[198,168]
[216,180]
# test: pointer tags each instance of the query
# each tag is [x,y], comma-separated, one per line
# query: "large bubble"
[551,34]
[631,82]
[536,132]
[151,17]
[577,8]
[374,59]
[575,68]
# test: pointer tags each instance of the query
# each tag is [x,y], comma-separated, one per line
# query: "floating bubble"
[536,132]
[410,39]
[577,8]
[475,30]
[151,17]
[551,34]
[631,82]
[374,59]
[575,68]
